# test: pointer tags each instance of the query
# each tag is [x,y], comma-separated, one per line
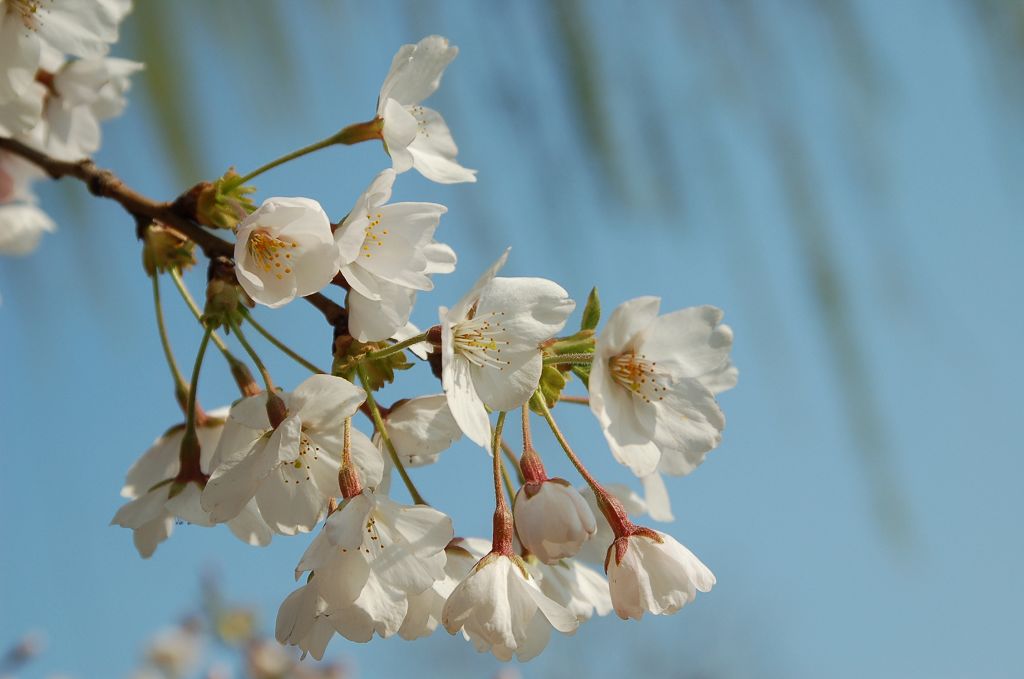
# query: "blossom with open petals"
[158,496]
[84,93]
[501,609]
[387,254]
[646,385]
[652,572]
[372,555]
[291,469]
[417,136]
[285,249]
[490,345]
[35,32]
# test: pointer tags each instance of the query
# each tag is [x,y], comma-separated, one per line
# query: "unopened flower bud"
[224,203]
[552,519]
[164,248]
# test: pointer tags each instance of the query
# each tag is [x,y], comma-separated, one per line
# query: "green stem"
[288,351]
[191,414]
[267,381]
[180,389]
[572,359]
[509,488]
[539,403]
[305,150]
[499,496]
[187,296]
[353,134]
[513,461]
[393,349]
[378,422]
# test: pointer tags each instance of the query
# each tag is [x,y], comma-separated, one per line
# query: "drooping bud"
[552,519]
[222,294]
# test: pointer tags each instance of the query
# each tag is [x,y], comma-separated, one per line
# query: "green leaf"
[591,312]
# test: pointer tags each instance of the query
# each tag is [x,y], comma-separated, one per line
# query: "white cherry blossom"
[417,136]
[83,93]
[552,519]
[652,572]
[646,385]
[421,428]
[372,555]
[387,254]
[490,345]
[31,30]
[285,249]
[291,469]
[151,480]
[501,609]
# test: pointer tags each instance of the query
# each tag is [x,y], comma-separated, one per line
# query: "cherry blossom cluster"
[279,462]
[56,85]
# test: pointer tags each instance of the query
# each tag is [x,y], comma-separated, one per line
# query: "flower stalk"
[378,423]
[353,134]
[239,370]
[501,542]
[284,348]
[606,502]
[276,409]
[181,391]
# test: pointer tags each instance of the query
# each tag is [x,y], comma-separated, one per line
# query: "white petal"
[626,321]
[416,70]
[532,309]
[461,308]
[466,406]
[689,424]
[289,507]
[21,227]
[433,150]
[250,528]
[399,131]
[377,320]
[656,497]
[511,386]
[324,401]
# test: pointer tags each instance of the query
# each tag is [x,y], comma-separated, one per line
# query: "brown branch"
[106,184]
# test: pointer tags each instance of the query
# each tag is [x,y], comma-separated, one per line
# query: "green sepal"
[225,202]
[552,381]
[591,312]
[379,372]
[582,372]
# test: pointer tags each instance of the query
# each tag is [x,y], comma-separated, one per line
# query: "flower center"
[480,340]
[639,375]
[29,11]
[299,469]
[372,236]
[268,251]
[374,535]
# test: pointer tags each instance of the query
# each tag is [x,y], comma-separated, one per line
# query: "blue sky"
[913,179]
